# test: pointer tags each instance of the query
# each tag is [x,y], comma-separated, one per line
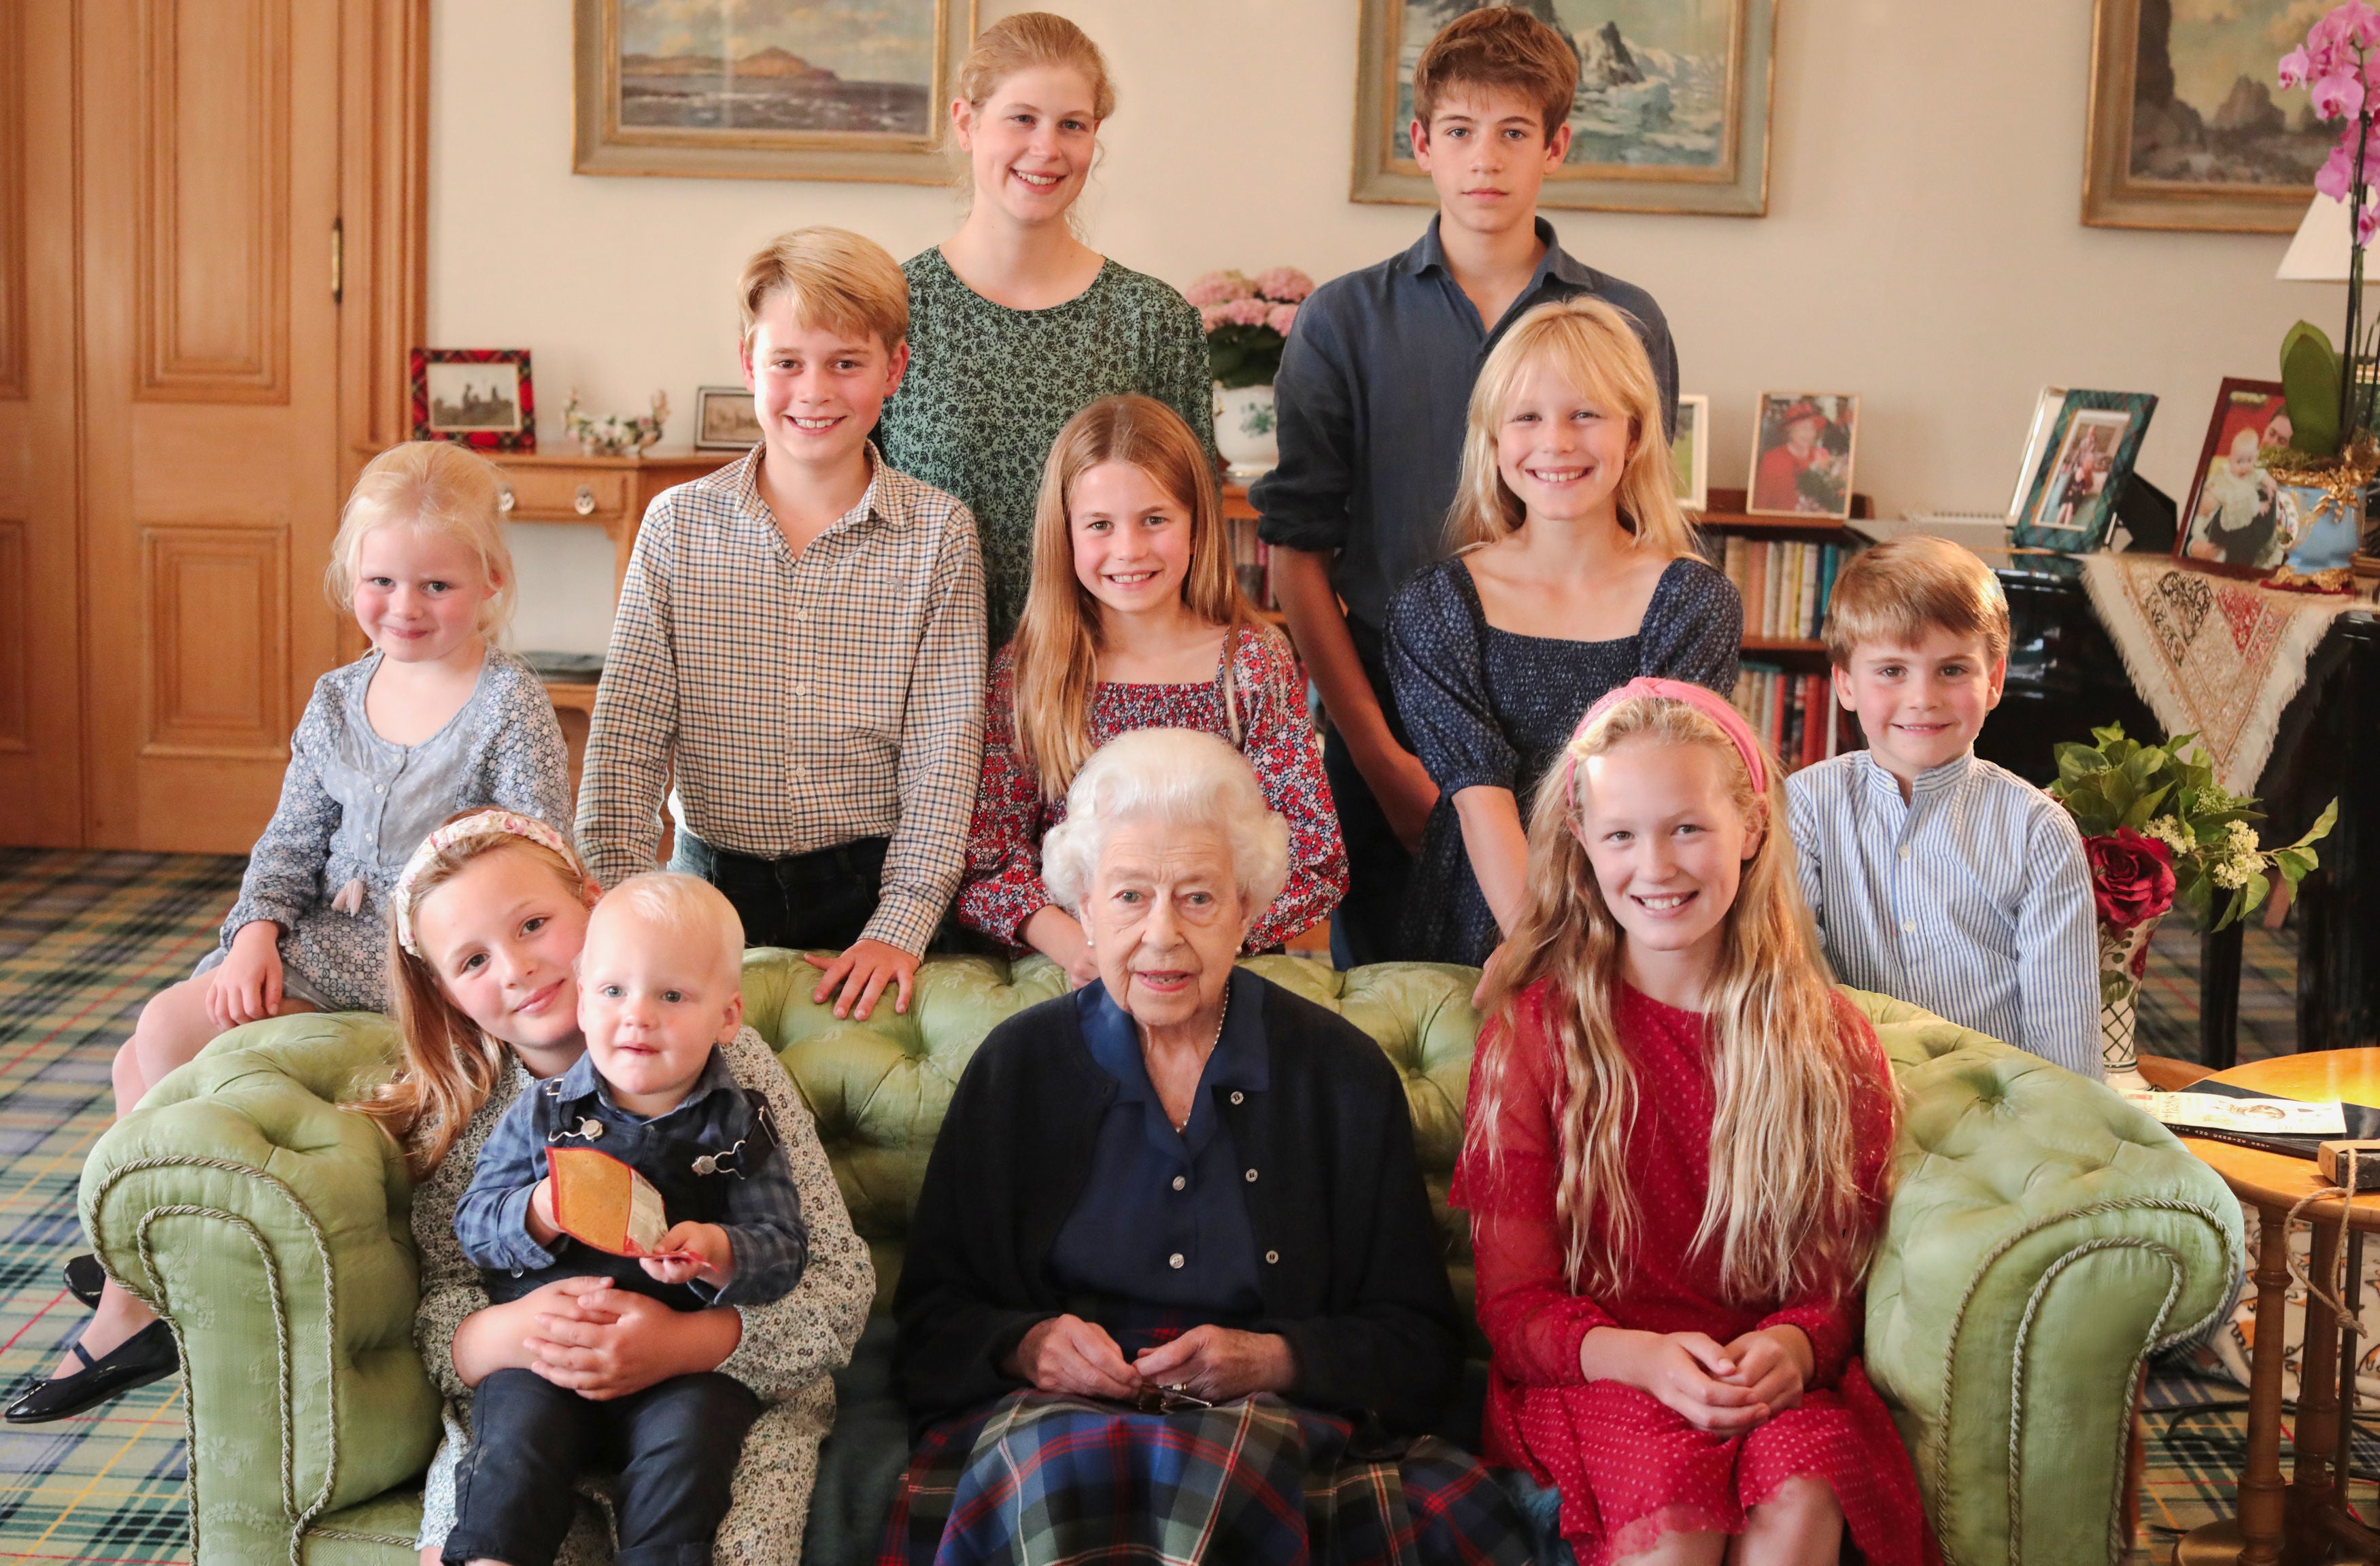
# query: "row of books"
[1251,560]
[1784,584]
[1794,712]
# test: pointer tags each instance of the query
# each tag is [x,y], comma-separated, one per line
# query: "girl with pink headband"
[1676,1162]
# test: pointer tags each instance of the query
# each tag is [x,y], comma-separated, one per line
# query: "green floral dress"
[989,387]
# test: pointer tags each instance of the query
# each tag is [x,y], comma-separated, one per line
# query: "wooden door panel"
[212,231]
[41,731]
[211,432]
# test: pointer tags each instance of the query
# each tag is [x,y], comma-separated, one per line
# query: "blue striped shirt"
[1970,899]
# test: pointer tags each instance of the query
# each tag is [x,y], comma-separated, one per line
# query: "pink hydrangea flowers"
[2338,69]
[1247,320]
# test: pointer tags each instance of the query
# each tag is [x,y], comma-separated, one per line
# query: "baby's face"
[2244,454]
[653,1002]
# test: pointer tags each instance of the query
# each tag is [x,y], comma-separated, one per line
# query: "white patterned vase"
[2123,960]
[1244,428]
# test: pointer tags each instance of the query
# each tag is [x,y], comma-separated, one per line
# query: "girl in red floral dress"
[1135,620]
[1676,1164]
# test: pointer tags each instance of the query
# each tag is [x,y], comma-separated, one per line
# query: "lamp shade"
[2318,254]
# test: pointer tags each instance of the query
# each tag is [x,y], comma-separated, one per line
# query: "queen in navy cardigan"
[1176,1218]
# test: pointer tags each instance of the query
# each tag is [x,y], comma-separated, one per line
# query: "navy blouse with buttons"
[1494,708]
[1160,1237]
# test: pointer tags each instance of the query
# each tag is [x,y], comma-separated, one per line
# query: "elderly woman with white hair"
[1173,1287]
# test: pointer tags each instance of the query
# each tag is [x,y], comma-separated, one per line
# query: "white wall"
[1922,246]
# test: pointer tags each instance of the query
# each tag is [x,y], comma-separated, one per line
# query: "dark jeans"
[818,901]
[1364,929]
[674,1446]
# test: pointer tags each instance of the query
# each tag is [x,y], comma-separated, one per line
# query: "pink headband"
[1702,700]
[490,822]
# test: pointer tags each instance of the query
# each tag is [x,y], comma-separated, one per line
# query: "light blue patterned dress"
[354,807]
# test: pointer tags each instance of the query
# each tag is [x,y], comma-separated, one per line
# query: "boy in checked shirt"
[799,650]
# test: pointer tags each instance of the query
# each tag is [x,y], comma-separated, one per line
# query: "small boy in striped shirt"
[1935,877]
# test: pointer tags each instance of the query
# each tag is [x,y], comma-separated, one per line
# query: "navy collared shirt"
[1163,1219]
[762,1211]
[1372,393]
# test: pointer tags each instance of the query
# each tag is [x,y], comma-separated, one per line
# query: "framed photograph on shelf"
[478,397]
[1671,113]
[2036,442]
[1689,452]
[2184,131]
[2232,521]
[767,89]
[1802,448]
[724,419]
[2071,500]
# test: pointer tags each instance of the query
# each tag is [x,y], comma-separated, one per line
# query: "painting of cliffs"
[1652,74]
[2205,109]
[848,67]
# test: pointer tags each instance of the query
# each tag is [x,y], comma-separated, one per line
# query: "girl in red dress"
[1676,1163]
[1135,620]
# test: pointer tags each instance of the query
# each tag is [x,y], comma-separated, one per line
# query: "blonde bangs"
[1784,1204]
[1595,349]
[1057,644]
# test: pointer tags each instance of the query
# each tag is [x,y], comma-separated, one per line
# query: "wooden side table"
[2305,1519]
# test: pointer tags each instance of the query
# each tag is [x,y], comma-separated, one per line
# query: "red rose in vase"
[2132,878]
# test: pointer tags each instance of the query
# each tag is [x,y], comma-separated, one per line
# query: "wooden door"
[210,451]
[41,776]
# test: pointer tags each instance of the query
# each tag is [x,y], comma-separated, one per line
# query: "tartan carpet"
[86,939]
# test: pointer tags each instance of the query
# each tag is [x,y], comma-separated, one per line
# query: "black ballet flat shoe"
[85,1279]
[147,1355]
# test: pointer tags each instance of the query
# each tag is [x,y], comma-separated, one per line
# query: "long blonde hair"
[1784,1205]
[441,488]
[1056,649]
[449,1065]
[1594,348]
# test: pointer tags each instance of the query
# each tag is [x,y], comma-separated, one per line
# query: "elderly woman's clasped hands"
[1212,1364]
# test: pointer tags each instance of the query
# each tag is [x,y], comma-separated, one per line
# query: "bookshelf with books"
[1251,556]
[1784,568]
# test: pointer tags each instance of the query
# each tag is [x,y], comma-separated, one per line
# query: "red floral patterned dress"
[1002,887]
[1629,1468]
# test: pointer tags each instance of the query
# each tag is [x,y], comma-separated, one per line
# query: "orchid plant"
[1247,322]
[2338,65]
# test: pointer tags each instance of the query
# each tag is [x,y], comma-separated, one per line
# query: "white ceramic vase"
[1244,428]
[2123,964]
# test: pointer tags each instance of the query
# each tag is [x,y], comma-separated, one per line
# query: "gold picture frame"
[612,139]
[2121,188]
[1733,182]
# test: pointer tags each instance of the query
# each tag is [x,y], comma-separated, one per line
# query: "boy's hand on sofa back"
[862,972]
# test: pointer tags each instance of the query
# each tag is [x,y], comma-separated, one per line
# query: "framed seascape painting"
[2233,522]
[1671,113]
[2072,502]
[767,89]
[2189,128]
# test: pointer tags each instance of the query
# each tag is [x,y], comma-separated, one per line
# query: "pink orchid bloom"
[2338,95]
[2336,170]
[2294,66]
[2359,24]
[1280,318]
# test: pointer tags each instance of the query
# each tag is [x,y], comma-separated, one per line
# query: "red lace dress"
[1629,1469]
[1002,888]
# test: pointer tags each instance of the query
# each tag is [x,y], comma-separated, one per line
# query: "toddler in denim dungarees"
[658,990]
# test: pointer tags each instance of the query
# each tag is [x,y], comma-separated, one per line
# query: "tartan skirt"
[1043,1480]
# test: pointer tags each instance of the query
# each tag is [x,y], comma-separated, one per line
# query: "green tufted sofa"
[2043,1237]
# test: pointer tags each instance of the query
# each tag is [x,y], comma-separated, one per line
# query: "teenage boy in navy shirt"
[1372,393]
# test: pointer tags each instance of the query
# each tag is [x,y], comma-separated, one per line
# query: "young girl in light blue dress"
[435,718]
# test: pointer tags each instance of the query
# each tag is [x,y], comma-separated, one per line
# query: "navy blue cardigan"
[1353,1271]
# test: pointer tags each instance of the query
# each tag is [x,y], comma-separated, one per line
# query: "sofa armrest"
[273,1231]
[2043,1237]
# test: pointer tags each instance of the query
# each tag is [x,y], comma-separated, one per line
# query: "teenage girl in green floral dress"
[1014,324]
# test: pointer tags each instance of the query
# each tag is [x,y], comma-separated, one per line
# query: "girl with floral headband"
[1664,1057]
[434,718]
[489,917]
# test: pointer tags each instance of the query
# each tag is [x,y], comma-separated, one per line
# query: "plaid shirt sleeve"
[764,1226]
[942,748]
[634,730]
[492,1220]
